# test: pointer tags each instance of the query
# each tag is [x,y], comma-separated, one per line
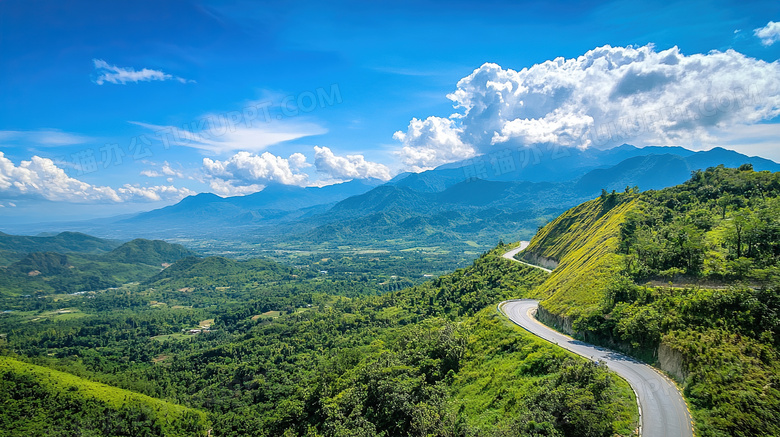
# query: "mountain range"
[480,200]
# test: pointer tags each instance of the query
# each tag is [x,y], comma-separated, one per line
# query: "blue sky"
[105,107]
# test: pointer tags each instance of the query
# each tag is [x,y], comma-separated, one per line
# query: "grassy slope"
[83,399]
[507,368]
[584,240]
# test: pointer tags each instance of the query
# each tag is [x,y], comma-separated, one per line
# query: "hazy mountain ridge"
[63,242]
[488,210]
[419,206]
[52,272]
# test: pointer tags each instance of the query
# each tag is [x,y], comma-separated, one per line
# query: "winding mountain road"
[663,412]
[511,256]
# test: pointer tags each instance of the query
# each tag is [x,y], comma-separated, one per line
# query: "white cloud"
[558,127]
[218,134]
[608,95]
[43,137]
[349,166]
[298,161]
[768,34]
[233,188]
[122,75]
[40,178]
[431,142]
[155,193]
[165,171]
[245,173]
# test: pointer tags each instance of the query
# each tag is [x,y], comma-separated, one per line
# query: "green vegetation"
[42,273]
[583,241]
[64,242]
[686,277]
[293,351]
[726,340]
[150,252]
[721,225]
[511,374]
[38,401]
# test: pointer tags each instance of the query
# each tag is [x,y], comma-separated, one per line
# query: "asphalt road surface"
[662,408]
[511,256]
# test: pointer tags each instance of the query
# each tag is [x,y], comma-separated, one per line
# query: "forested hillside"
[64,242]
[15,247]
[686,277]
[38,401]
[77,269]
[283,351]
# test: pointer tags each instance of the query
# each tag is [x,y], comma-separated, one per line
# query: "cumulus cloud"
[768,34]
[153,194]
[609,94]
[349,166]
[298,161]
[245,173]
[41,178]
[122,75]
[432,142]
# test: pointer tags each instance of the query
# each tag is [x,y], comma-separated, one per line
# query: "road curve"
[663,412]
[511,256]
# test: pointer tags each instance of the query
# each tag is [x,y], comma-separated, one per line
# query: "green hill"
[151,252]
[688,278]
[582,243]
[45,263]
[38,401]
[14,247]
[64,242]
[58,273]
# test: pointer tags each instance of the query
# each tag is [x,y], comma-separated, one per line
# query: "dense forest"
[720,225]
[291,351]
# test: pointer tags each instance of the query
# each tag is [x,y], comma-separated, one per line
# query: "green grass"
[507,367]
[88,403]
[40,316]
[584,241]
[176,336]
